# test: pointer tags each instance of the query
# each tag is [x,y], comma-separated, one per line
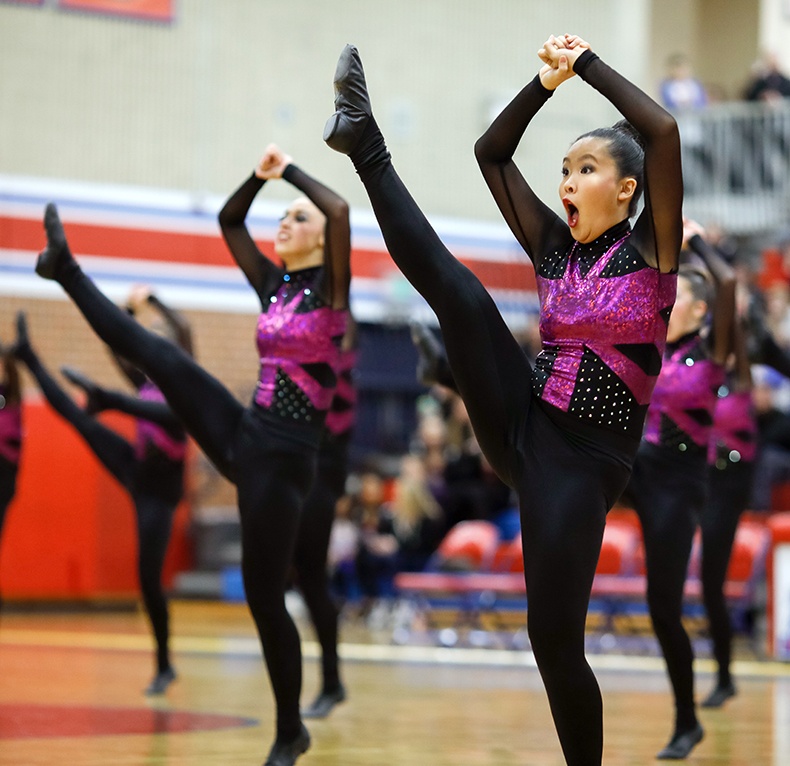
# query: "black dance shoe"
[161,681]
[57,253]
[719,695]
[344,128]
[93,402]
[681,745]
[322,705]
[430,353]
[285,754]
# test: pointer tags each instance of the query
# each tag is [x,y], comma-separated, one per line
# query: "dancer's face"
[301,233]
[688,313]
[594,195]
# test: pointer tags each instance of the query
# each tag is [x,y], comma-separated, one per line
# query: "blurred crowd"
[390,522]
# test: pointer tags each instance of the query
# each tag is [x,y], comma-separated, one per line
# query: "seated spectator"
[777,311]
[768,83]
[680,90]
[342,553]
[772,466]
[416,519]
[376,561]
[473,490]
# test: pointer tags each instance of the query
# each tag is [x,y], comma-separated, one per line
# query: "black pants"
[728,496]
[155,485]
[271,462]
[565,483]
[8,473]
[669,491]
[311,552]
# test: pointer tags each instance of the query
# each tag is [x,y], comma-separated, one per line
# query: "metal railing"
[736,165]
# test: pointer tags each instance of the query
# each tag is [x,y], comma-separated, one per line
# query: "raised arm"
[658,232]
[742,369]
[337,235]
[11,375]
[723,308]
[179,325]
[135,377]
[258,269]
[532,222]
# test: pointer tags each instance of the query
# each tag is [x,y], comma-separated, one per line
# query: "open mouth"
[572,212]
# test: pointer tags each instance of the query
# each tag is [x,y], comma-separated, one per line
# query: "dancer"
[566,443]
[315,528]
[151,471]
[731,453]
[268,449]
[167,322]
[668,487]
[10,431]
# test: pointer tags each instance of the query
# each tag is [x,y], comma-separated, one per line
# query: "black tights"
[565,486]
[271,472]
[728,492]
[669,495]
[154,512]
[8,472]
[310,559]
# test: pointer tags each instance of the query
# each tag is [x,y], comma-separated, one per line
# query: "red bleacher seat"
[748,550]
[621,542]
[469,546]
[509,556]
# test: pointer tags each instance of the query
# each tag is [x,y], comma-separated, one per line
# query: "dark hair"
[627,150]
[699,281]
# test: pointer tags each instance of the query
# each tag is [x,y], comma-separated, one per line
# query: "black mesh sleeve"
[337,240]
[258,269]
[658,232]
[531,221]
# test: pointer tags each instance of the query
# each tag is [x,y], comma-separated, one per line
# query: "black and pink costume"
[731,454]
[317,518]
[267,449]
[151,470]
[10,449]
[675,445]
[669,486]
[563,435]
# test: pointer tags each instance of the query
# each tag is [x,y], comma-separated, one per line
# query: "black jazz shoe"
[352,105]
[57,253]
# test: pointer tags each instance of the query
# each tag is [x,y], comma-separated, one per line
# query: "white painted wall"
[191,105]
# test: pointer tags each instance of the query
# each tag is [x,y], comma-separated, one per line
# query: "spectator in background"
[469,489]
[777,311]
[473,490]
[768,82]
[342,552]
[684,95]
[378,547]
[772,466]
[415,518]
[680,90]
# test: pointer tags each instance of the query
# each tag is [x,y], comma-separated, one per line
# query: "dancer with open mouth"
[563,434]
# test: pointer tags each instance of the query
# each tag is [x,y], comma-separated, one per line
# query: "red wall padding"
[70,532]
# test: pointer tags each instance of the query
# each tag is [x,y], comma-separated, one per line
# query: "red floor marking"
[32,721]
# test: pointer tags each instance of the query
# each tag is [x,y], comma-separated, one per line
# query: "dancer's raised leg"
[210,413]
[114,452]
[492,380]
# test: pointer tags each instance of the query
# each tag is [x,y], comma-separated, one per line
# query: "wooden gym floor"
[70,693]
